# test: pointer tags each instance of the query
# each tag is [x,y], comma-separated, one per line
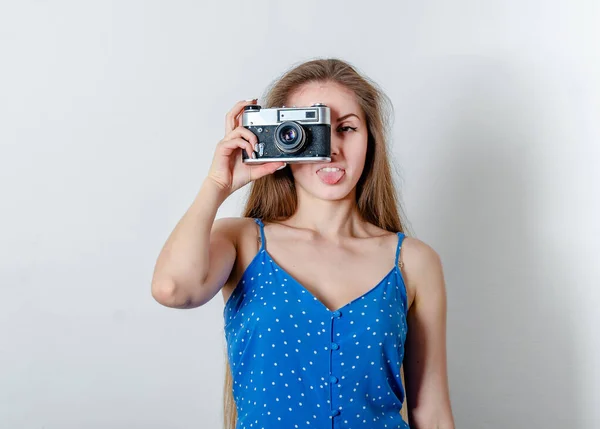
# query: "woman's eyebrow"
[340,119]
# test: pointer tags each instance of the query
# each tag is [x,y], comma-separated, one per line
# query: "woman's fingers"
[258,171]
[231,118]
[241,132]
[227,147]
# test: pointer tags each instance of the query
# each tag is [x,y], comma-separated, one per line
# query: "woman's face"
[335,180]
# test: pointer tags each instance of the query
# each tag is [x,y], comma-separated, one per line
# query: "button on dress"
[297,364]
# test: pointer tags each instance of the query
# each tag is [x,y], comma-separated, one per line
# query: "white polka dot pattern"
[297,364]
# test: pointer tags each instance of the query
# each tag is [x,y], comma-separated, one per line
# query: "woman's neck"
[330,219]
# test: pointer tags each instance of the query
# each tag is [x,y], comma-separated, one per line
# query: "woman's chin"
[330,193]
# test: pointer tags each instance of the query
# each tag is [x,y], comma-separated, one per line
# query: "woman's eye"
[345,129]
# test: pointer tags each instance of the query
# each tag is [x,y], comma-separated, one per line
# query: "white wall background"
[109,112]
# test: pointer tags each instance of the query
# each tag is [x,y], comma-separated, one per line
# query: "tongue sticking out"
[330,177]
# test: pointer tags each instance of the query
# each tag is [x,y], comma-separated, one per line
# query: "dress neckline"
[296,282]
[313,296]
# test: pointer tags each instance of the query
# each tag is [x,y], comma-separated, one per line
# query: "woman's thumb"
[269,168]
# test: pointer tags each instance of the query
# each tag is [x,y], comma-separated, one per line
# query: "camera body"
[289,134]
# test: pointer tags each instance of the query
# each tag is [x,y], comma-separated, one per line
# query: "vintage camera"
[289,134]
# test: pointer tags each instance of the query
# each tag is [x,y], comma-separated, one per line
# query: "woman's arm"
[198,256]
[425,360]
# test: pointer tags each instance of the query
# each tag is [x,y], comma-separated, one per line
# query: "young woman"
[327,302]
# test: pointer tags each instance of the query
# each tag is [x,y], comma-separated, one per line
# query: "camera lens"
[289,137]
[288,134]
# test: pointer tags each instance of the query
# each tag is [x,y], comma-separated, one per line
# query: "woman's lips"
[331,175]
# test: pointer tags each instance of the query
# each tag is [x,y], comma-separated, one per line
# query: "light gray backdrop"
[109,112]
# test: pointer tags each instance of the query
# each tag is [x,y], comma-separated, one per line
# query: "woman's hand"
[227,169]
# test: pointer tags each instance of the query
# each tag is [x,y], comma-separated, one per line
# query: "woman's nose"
[335,144]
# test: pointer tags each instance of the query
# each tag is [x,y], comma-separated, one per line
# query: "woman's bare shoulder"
[234,227]
[421,268]
[418,254]
[244,233]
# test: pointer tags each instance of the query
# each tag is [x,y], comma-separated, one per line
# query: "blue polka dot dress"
[297,364]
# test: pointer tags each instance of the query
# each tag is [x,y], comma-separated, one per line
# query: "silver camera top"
[316,114]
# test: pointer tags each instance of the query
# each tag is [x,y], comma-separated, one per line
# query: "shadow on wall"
[511,351]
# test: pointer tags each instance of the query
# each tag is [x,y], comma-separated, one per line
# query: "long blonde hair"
[273,197]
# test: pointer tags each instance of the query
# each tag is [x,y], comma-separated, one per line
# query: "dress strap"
[263,242]
[398,262]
